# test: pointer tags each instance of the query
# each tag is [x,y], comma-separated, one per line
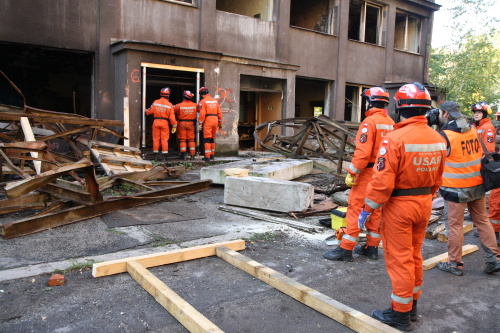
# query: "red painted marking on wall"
[136,78]
[223,93]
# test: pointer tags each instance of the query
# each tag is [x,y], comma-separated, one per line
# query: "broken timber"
[432,262]
[442,236]
[297,225]
[34,224]
[194,321]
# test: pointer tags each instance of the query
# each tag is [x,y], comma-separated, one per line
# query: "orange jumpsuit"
[163,112]
[210,117]
[487,133]
[407,174]
[371,132]
[185,112]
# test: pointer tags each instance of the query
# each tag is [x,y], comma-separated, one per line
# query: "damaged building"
[262,59]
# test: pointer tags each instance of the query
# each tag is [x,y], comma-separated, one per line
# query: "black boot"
[183,156]
[206,159]
[338,254]
[162,157]
[498,237]
[155,157]
[399,320]
[192,157]
[369,251]
[212,157]
[413,311]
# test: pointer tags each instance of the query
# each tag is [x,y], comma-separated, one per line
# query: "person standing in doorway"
[373,129]
[185,112]
[210,119]
[163,112]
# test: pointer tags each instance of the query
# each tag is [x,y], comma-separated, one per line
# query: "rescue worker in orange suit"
[463,186]
[163,112]
[185,112]
[373,129]
[487,133]
[408,172]
[210,119]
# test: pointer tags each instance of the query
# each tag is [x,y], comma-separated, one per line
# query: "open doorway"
[49,78]
[177,79]
[309,97]
[354,109]
[261,100]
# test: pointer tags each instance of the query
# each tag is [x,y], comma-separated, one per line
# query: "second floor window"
[407,32]
[364,22]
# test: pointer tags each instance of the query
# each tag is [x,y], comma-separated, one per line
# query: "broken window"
[260,9]
[354,109]
[314,15]
[365,21]
[407,32]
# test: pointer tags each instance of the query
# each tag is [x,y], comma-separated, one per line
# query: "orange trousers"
[209,132]
[185,134]
[494,208]
[161,134]
[356,202]
[402,225]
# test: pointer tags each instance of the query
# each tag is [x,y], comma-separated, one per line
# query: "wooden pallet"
[116,159]
[194,321]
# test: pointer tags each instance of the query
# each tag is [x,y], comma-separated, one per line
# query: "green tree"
[468,71]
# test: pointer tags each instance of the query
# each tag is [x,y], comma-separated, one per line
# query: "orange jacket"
[371,132]
[207,107]
[463,164]
[410,157]
[185,110]
[487,133]
[162,109]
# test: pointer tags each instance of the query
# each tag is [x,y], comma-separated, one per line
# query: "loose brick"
[56,280]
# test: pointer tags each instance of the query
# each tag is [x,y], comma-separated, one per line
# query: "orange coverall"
[407,174]
[487,133]
[163,112]
[371,132]
[210,117]
[185,113]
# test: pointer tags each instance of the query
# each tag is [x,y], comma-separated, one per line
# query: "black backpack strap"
[448,145]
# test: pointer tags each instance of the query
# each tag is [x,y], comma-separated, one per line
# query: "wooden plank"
[29,137]
[60,119]
[432,232]
[163,258]
[184,312]
[93,143]
[432,262]
[339,312]
[443,235]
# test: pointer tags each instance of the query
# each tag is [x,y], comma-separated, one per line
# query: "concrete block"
[268,194]
[280,169]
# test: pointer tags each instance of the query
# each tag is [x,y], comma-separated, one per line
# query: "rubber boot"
[369,251]
[155,157]
[399,320]
[413,311]
[192,157]
[183,156]
[212,157]
[338,254]
[206,159]
[162,157]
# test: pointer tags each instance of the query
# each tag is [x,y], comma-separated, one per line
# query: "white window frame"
[418,37]
[362,23]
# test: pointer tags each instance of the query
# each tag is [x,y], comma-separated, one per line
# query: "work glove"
[174,129]
[219,125]
[200,126]
[349,180]
[362,218]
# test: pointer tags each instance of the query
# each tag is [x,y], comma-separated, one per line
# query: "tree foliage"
[468,71]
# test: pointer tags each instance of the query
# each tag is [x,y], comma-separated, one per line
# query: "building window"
[191,2]
[365,21]
[259,9]
[354,108]
[316,15]
[407,32]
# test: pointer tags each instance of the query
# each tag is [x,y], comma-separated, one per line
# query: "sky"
[441,35]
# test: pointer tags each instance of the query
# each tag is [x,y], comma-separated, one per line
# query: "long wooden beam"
[164,258]
[60,119]
[339,312]
[432,262]
[34,224]
[184,312]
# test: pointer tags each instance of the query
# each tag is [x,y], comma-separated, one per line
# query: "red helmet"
[483,107]
[165,92]
[203,91]
[188,95]
[376,94]
[413,95]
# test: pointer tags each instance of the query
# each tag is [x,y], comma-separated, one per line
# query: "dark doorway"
[49,78]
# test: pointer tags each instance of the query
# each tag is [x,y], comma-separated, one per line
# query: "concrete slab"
[281,169]
[268,194]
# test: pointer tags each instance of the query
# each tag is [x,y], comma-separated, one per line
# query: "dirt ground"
[230,298]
